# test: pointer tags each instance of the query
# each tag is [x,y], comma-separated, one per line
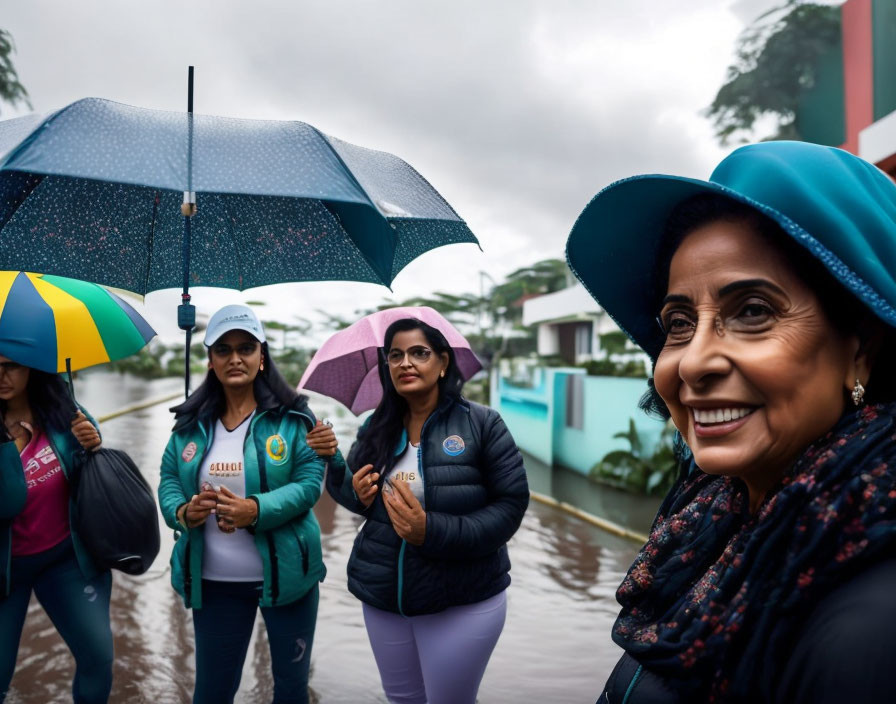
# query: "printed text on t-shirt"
[225,469]
[404,476]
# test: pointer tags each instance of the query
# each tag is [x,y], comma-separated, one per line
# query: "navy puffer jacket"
[475,492]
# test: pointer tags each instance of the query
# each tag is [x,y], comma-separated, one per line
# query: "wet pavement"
[555,647]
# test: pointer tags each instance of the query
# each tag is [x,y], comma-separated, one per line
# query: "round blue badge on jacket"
[453,445]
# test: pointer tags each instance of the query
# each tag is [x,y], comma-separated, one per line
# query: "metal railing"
[139,406]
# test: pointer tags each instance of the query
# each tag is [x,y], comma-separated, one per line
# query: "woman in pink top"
[42,438]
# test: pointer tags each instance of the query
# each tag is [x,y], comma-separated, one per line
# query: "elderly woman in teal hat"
[766,298]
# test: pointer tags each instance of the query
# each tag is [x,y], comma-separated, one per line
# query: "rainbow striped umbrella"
[45,319]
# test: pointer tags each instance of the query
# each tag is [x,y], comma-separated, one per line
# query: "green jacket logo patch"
[277,449]
[189,452]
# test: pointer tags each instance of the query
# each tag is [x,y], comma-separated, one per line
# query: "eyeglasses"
[741,317]
[246,349]
[416,355]
[10,367]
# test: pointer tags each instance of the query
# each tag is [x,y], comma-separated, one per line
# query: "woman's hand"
[199,508]
[85,433]
[407,515]
[364,482]
[234,512]
[322,440]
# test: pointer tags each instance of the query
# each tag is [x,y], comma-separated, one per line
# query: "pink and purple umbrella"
[345,367]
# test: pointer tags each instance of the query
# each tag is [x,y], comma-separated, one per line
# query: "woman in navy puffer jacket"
[443,488]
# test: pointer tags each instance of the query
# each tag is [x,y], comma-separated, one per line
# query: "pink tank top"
[43,523]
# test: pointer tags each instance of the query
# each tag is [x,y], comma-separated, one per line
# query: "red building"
[853,104]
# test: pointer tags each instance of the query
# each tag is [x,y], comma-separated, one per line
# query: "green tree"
[292,362]
[301,326]
[505,300]
[146,363]
[776,63]
[198,362]
[11,90]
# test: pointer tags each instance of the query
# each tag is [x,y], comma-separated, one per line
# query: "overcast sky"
[517,111]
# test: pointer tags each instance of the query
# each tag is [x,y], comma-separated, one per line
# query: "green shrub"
[613,342]
[631,471]
[607,367]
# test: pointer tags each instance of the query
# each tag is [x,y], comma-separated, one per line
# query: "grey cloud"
[517,111]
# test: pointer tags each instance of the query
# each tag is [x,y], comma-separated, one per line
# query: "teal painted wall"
[528,432]
[536,417]
[821,114]
[528,414]
[609,404]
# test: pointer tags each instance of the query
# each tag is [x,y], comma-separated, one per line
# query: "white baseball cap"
[233,317]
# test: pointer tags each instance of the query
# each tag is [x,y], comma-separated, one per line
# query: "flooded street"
[555,647]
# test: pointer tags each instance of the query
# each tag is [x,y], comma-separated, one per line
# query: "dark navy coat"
[845,653]
[475,495]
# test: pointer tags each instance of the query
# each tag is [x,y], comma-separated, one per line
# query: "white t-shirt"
[408,469]
[228,557]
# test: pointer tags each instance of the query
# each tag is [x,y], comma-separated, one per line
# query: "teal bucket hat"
[839,207]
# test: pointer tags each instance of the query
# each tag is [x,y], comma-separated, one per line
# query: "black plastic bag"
[116,513]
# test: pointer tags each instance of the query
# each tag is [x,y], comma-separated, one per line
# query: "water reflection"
[555,647]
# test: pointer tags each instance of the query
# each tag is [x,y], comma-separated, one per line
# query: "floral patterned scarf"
[717,595]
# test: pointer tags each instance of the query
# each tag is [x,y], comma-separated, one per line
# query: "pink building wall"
[858,70]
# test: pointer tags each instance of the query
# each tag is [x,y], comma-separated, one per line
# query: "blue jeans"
[79,608]
[223,628]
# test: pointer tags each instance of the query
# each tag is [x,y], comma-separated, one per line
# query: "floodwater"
[555,647]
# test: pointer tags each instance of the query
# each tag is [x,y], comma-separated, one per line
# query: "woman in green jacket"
[238,482]
[42,435]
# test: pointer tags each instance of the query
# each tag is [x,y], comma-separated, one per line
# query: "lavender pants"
[437,658]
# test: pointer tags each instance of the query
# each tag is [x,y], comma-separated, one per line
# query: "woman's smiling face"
[752,370]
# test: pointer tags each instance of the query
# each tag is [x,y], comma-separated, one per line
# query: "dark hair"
[844,311]
[207,402]
[49,399]
[377,441]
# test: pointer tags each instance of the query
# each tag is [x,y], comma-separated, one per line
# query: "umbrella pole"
[71,383]
[186,313]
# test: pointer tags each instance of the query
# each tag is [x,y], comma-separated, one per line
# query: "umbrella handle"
[71,383]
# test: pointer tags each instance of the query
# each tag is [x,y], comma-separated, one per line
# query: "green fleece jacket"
[282,473]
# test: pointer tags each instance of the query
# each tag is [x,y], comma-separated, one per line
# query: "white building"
[877,143]
[570,323]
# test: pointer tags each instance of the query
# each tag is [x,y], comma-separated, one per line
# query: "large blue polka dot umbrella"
[94,192]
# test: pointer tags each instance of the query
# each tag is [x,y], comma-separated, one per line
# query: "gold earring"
[261,366]
[858,393]
[442,374]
